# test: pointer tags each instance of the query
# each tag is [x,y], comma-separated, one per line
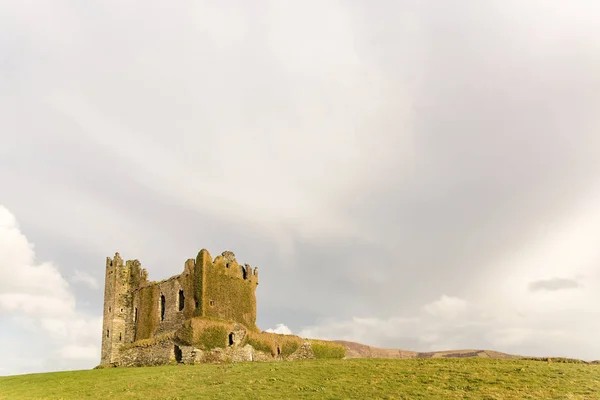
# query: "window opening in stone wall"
[231,339]
[107,332]
[197,303]
[109,309]
[178,354]
[135,315]
[244,273]
[211,303]
[181,300]
[162,307]
[120,337]
[278,350]
[121,310]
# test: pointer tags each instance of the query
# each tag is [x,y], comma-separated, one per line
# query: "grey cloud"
[553,284]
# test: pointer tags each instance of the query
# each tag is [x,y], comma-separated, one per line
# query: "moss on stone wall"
[185,334]
[274,343]
[146,343]
[228,296]
[135,273]
[209,333]
[148,312]
[212,337]
[288,348]
[202,260]
[261,345]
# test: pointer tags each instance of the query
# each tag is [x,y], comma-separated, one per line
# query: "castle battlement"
[136,309]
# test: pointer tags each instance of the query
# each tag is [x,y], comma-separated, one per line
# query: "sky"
[419,175]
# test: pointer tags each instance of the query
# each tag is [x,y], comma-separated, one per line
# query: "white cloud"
[281,329]
[371,331]
[26,286]
[40,299]
[80,352]
[452,323]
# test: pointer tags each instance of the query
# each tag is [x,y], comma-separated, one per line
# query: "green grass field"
[320,379]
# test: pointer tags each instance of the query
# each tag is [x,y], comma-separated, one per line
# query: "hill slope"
[437,378]
[357,350]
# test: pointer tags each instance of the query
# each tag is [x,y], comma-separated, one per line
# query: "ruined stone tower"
[120,281]
[136,309]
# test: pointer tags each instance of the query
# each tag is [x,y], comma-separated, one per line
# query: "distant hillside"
[357,350]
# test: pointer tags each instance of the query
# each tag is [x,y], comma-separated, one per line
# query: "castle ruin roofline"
[225,261]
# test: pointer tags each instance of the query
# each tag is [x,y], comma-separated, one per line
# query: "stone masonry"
[136,309]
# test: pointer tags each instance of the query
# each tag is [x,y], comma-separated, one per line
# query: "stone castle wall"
[166,353]
[136,309]
[229,290]
[117,320]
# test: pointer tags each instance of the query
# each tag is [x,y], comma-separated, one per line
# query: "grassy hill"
[358,350]
[430,378]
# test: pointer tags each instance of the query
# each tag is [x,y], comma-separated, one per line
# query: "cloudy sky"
[421,175]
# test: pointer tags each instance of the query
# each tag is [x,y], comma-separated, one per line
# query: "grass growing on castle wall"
[185,333]
[269,343]
[148,312]
[210,333]
[135,276]
[289,347]
[261,345]
[146,343]
[212,337]
[434,378]
[233,297]
[327,350]
[198,290]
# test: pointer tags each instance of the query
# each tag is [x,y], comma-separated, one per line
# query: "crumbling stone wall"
[160,353]
[230,290]
[164,352]
[117,324]
[136,309]
[190,345]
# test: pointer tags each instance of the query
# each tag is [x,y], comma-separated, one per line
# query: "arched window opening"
[181,300]
[244,272]
[135,315]
[162,307]
[107,332]
[120,337]
[231,339]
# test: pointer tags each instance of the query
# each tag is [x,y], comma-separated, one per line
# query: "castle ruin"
[205,314]
[136,309]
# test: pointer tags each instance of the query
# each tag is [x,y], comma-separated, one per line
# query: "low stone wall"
[169,352]
[157,354]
